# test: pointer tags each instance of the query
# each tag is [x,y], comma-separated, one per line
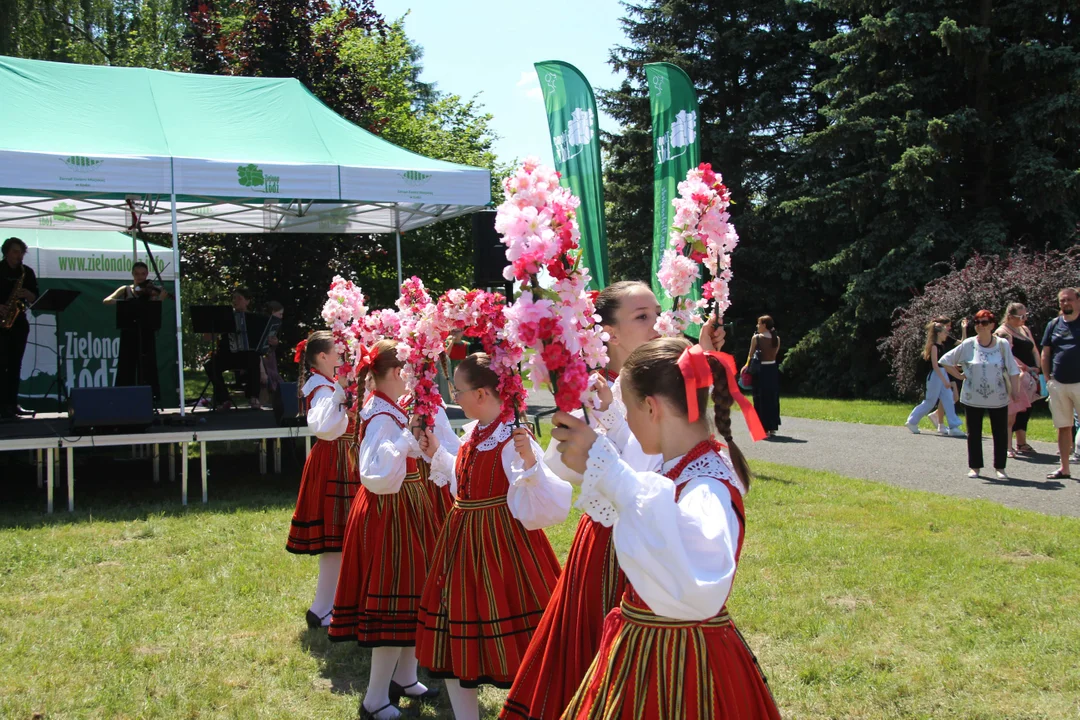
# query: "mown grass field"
[861,601]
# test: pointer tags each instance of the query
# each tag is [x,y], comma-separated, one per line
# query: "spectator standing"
[1014,329]
[938,386]
[1061,366]
[766,343]
[991,376]
[949,344]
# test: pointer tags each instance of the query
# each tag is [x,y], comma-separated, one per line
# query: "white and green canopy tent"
[106,148]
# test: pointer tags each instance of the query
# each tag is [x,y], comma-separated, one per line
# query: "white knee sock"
[383,660]
[464,701]
[405,674]
[329,566]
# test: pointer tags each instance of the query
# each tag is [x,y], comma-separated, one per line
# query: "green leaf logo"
[78,162]
[415,177]
[64,212]
[249,175]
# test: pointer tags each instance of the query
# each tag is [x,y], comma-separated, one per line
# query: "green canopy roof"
[241,154]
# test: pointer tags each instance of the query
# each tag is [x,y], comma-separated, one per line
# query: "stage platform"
[47,434]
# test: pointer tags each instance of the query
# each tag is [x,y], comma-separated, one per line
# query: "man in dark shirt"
[13,339]
[1061,366]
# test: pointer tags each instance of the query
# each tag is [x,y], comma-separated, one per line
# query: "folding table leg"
[183,473]
[262,456]
[277,456]
[202,457]
[49,478]
[71,478]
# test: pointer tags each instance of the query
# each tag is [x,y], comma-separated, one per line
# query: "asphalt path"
[895,456]
[926,461]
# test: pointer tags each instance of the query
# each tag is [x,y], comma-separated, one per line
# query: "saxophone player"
[18,290]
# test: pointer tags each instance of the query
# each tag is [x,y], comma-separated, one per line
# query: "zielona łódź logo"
[415,177]
[252,176]
[78,162]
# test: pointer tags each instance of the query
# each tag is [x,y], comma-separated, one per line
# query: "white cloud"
[534,93]
[528,77]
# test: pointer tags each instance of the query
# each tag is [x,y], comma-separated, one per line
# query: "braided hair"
[319,341]
[652,370]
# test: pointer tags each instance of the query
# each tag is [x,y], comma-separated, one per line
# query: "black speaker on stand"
[489,255]
[111,409]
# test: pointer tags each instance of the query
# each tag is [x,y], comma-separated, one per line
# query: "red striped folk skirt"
[566,641]
[489,582]
[657,668]
[327,488]
[440,496]
[388,541]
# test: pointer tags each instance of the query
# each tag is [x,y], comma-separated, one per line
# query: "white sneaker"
[913,428]
[957,432]
[973,473]
[943,430]
[1001,475]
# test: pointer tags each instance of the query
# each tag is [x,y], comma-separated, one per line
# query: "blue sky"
[489,48]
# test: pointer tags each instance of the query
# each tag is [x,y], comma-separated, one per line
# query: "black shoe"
[397,691]
[365,713]
[314,621]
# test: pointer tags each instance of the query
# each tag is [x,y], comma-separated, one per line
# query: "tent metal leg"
[71,478]
[397,236]
[183,473]
[49,479]
[176,298]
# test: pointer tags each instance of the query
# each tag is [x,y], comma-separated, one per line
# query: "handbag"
[755,363]
[746,379]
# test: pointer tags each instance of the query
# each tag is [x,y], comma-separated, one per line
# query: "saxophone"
[15,304]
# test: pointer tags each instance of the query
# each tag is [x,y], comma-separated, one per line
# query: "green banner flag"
[575,143]
[673,105]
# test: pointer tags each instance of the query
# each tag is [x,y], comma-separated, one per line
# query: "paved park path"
[919,462]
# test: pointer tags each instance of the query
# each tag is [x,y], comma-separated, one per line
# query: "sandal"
[1026,449]
[1059,475]
[397,691]
[374,714]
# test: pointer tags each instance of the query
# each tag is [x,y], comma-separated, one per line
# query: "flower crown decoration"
[480,315]
[421,340]
[378,325]
[557,328]
[701,234]
[343,312]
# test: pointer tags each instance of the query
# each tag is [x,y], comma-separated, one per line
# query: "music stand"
[56,301]
[140,316]
[212,320]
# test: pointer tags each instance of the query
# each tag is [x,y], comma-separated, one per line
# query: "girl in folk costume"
[329,481]
[591,583]
[670,651]
[493,569]
[391,533]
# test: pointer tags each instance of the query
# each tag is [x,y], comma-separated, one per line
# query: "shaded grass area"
[861,601]
[891,412]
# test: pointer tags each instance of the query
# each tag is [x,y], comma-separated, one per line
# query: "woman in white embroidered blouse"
[991,376]
[678,537]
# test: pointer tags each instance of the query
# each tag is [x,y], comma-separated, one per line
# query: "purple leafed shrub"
[992,283]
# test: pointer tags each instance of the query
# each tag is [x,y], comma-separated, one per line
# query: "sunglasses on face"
[984,322]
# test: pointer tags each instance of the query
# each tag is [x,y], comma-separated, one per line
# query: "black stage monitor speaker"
[287,406]
[111,409]
[489,252]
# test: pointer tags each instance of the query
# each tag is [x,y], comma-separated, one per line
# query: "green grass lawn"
[861,601]
[891,412]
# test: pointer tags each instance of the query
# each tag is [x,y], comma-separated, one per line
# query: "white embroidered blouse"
[679,556]
[326,416]
[387,444]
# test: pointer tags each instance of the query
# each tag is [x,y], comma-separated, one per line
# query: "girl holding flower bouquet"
[670,650]
[329,481]
[591,584]
[391,532]
[493,569]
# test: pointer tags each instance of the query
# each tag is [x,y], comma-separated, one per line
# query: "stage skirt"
[568,637]
[327,488]
[488,584]
[655,668]
[383,568]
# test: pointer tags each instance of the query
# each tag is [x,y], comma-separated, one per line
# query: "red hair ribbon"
[365,358]
[298,354]
[694,366]
[592,295]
